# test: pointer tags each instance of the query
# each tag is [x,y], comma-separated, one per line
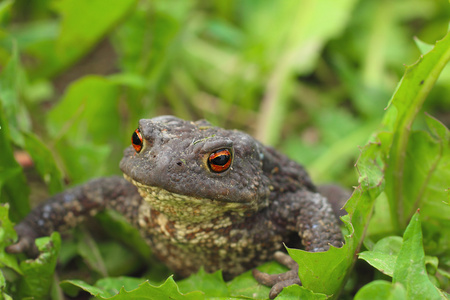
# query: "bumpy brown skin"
[192,216]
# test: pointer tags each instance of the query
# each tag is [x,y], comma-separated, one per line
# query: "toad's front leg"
[69,208]
[317,227]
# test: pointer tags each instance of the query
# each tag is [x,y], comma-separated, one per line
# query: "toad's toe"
[282,280]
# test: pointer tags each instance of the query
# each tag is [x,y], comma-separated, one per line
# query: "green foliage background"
[312,78]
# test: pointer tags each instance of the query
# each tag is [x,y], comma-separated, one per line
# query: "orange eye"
[220,160]
[136,140]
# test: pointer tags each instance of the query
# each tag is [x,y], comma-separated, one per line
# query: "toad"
[202,196]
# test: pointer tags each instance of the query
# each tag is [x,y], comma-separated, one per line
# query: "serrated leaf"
[407,101]
[38,273]
[212,285]
[127,288]
[168,290]
[423,47]
[113,284]
[410,265]
[295,292]
[381,290]
[322,272]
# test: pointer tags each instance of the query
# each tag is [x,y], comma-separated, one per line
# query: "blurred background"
[311,78]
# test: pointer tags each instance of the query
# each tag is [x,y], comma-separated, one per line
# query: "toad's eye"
[136,140]
[220,160]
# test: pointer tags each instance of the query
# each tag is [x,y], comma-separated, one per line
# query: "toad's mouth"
[189,208]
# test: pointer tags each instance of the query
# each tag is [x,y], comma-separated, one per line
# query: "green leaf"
[381,290]
[3,295]
[78,34]
[410,268]
[293,47]
[382,216]
[13,185]
[120,259]
[38,273]
[168,290]
[5,7]
[72,288]
[12,83]
[210,284]
[88,249]
[245,285]
[91,99]
[116,225]
[84,123]
[423,47]
[295,292]
[7,233]
[98,18]
[434,202]
[404,106]
[7,237]
[383,255]
[431,263]
[43,162]
[326,272]
[427,162]
[322,272]
[113,284]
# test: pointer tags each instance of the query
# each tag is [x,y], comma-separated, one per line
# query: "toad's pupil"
[220,160]
[136,139]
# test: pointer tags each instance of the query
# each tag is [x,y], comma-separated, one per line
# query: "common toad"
[202,196]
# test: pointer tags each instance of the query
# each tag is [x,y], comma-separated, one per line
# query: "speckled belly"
[230,243]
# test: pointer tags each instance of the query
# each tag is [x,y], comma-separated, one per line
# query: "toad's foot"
[279,281]
[25,244]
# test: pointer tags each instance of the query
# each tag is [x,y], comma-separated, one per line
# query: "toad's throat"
[188,208]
